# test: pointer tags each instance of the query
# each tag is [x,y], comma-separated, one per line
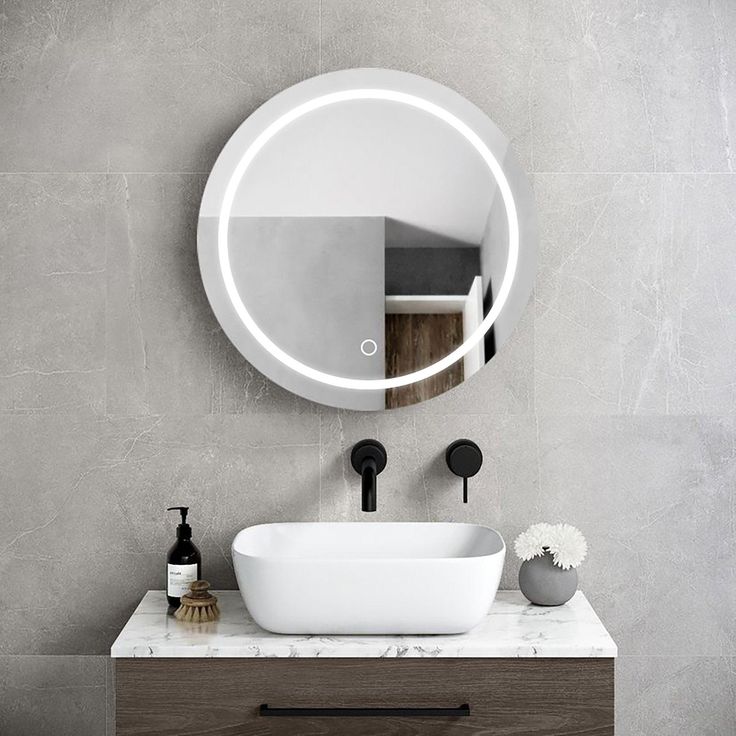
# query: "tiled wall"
[612,408]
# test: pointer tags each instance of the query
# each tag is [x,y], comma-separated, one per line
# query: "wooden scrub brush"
[198,606]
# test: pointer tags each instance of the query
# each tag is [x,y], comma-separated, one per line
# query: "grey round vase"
[545,584]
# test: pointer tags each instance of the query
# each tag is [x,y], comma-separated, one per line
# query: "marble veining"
[512,628]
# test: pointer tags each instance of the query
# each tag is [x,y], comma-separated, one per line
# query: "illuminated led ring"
[364,384]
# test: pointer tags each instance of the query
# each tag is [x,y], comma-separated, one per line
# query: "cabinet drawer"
[224,697]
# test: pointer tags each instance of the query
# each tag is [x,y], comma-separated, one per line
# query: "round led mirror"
[367,239]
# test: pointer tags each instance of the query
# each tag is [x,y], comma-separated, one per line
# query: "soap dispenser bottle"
[184,563]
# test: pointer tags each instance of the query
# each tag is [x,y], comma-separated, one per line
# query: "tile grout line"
[319,62]
[531,172]
[97,172]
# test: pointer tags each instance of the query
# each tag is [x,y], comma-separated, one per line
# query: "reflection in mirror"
[368,240]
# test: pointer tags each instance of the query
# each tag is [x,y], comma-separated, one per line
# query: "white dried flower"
[531,543]
[568,547]
[565,542]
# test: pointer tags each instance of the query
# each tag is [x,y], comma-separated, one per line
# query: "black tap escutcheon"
[464,458]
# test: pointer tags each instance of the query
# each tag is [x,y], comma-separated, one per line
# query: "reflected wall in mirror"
[367,239]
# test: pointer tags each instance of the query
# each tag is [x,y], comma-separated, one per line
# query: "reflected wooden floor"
[414,341]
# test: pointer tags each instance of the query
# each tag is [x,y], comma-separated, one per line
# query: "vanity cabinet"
[223,697]
[523,671]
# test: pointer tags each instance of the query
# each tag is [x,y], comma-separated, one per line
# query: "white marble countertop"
[512,628]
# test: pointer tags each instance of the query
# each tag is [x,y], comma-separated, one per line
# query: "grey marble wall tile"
[98,530]
[672,696]
[635,304]
[52,293]
[723,24]
[620,86]
[46,616]
[194,73]
[417,485]
[43,462]
[53,71]
[232,470]
[654,497]
[402,491]
[165,349]
[142,86]
[481,49]
[63,696]
[504,494]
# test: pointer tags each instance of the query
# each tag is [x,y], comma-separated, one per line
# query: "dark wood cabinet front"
[224,697]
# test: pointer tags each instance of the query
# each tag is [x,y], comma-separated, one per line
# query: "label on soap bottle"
[179,577]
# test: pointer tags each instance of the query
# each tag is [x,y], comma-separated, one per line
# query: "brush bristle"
[197,614]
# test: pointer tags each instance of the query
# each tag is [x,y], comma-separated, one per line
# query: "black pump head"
[183,531]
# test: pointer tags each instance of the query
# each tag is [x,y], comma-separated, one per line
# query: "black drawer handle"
[266,710]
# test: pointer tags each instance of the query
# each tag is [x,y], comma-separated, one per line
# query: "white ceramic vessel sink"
[368,577]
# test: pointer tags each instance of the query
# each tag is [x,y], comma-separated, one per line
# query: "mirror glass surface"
[367,239]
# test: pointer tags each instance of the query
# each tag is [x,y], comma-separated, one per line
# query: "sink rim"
[322,559]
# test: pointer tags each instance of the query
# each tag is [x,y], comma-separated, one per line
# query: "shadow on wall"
[400,234]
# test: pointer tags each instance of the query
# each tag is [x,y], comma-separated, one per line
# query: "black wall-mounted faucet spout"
[368,459]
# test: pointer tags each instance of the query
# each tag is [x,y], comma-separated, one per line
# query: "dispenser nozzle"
[183,510]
